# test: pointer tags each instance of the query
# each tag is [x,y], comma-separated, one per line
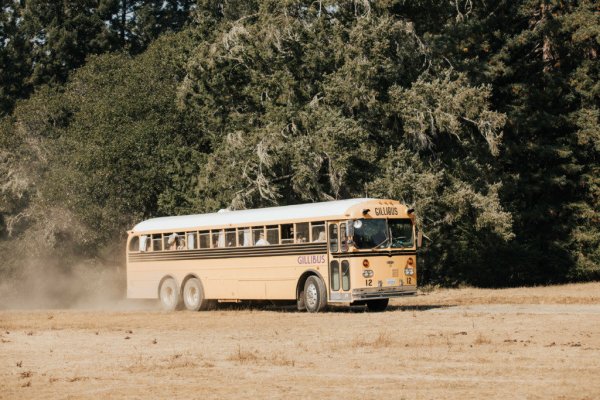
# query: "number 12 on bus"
[356,251]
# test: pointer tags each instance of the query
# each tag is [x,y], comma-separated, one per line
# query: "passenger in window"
[181,244]
[321,237]
[172,241]
[300,239]
[262,241]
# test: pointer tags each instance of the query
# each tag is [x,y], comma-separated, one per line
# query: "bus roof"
[337,209]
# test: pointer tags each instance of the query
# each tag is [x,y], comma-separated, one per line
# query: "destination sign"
[386,211]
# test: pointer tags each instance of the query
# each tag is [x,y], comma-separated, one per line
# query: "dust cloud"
[49,285]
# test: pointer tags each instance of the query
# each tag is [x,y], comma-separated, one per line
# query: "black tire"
[315,296]
[378,305]
[169,295]
[193,296]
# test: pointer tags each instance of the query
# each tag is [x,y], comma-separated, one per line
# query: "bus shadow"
[341,309]
[361,309]
[420,307]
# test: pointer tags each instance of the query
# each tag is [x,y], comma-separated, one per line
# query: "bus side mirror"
[419,239]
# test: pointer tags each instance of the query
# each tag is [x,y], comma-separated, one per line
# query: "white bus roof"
[261,216]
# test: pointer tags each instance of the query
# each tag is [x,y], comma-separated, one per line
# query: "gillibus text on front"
[357,251]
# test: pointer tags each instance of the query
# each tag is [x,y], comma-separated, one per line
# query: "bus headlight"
[368,273]
[409,271]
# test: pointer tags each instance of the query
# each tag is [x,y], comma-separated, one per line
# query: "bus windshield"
[401,232]
[381,233]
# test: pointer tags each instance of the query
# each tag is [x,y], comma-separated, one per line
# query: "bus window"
[191,240]
[157,242]
[230,238]
[256,235]
[302,232]
[343,237]
[345,275]
[318,231]
[181,243]
[273,234]
[144,243]
[244,237]
[172,241]
[287,233]
[203,240]
[334,273]
[134,244]
[333,238]
[218,238]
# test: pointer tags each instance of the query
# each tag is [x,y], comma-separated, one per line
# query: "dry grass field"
[524,343]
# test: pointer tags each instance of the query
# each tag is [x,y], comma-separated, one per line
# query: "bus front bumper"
[383,292]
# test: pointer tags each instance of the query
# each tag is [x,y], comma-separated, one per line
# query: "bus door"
[339,264]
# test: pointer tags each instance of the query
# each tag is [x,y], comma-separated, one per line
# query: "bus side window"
[144,243]
[170,241]
[287,233]
[181,242]
[157,242]
[218,238]
[302,232]
[191,240]
[203,240]
[134,244]
[273,234]
[343,237]
[318,231]
[244,237]
[230,238]
[256,235]
[333,238]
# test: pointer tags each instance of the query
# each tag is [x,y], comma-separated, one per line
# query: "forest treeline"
[483,115]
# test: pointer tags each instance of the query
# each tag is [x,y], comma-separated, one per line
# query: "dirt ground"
[524,343]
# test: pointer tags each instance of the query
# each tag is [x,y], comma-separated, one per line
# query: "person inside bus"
[262,241]
[321,237]
[172,241]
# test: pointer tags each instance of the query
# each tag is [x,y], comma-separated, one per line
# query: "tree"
[541,59]
[15,62]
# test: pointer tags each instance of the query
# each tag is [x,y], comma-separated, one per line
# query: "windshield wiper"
[387,238]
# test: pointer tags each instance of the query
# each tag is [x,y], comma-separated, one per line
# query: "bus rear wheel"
[315,296]
[169,295]
[377,305]
[193,296]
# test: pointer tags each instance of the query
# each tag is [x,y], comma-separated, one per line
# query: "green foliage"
[41,42]
[482,115]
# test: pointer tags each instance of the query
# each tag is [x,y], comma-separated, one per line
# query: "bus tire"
[378,305]
[315,296]
[193,295]
[300,301]
[169,295]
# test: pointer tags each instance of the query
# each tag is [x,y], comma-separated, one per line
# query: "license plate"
[391,282]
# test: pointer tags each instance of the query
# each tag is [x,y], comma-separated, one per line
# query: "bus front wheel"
[169,295]
[377,305]
[315,296]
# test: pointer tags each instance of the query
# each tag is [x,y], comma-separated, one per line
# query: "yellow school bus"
[356,251]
